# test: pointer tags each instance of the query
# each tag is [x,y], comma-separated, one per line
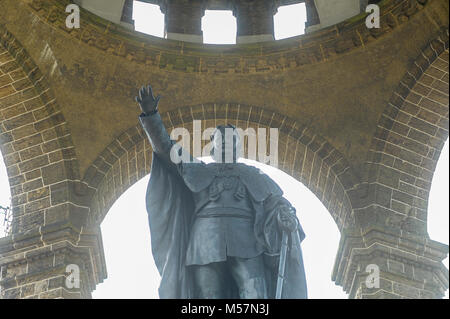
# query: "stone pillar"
[183,19]
[58,262]
[50,206]
[127,14]
[46,263]
[254,20]
[312,16]
[387,263]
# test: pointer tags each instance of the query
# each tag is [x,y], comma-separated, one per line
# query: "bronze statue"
[218,230]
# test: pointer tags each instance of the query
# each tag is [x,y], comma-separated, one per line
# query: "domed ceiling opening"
[255,19]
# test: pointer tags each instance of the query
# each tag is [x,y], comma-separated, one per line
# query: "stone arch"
[48,200]
[35,141]
[313,160]
[390,205]
[410,135]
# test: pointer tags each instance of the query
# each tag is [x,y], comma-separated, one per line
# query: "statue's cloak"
[170,208]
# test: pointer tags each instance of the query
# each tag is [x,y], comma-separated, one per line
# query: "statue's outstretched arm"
[154,126]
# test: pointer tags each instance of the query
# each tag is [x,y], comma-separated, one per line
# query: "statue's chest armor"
[226,192]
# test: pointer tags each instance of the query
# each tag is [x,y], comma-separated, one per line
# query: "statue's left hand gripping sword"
[283,254]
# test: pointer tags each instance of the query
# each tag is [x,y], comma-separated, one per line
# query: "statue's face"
[226,145]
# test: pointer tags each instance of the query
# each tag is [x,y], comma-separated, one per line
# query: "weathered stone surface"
[365,140]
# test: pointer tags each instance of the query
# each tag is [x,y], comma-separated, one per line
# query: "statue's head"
[226,144]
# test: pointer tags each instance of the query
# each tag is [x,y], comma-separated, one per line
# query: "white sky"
[126,236]
[219,26]
[5,194]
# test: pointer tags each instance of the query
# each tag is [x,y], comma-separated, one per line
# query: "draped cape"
[170,208]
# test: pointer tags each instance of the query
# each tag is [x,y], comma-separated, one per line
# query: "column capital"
[410,265]
[35,264]
[254,20]
[183,19]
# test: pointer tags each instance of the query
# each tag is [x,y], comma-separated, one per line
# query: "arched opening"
[5,199]
[126,236]
[148,18]
[132,272]
[289,21]
[219,27]
[438,202]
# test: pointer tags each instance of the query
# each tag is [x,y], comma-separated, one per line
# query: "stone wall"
[365,113]
[49,214]
[391,206]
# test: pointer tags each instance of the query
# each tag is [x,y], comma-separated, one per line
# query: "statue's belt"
[225,212]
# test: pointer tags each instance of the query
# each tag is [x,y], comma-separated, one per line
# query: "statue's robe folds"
[171,212]
[170,208]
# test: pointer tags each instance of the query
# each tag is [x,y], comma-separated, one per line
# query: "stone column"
[60,260]
[127,14]
[384,262]
[254,20]
[52,263]
[183,19]
[312,16]
[51,242]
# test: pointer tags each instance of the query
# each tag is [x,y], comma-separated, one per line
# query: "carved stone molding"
[261,57]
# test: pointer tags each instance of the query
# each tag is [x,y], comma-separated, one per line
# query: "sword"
[282,264]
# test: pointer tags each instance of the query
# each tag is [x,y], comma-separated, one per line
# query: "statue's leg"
[209,280]
[248,273]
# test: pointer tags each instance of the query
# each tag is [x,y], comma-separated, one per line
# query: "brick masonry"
[302,154]
[35,141]
[263,57]
[381,214]
[49,211]
[409,138]
[390,207]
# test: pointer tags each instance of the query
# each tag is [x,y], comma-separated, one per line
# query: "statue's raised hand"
[146,100]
